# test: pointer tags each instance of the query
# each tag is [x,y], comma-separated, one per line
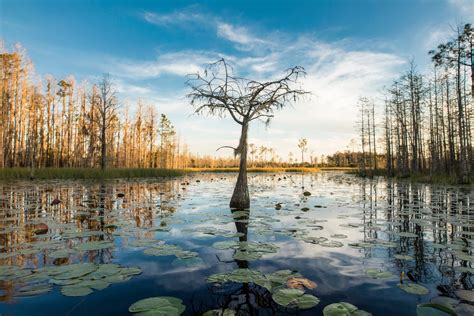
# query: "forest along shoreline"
[113,173]
[12,174]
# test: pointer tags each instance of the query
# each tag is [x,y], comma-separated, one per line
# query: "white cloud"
[182,18]
[178,63]
[338,73]
[240,36]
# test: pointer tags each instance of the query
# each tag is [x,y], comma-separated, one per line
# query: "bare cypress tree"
[106,106]
[218,91]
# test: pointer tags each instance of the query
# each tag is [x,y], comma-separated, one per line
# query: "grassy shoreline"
[86,173]
[9,174]
[114,173]
[415,177]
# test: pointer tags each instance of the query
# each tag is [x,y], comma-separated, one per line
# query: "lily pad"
[220,312]
[403,257]
[331,244]
[160,305]
[294,298]
[94,245]
[414,288]
[339,236]
[344,309]
[76,271]
[430,309]
[465,295]
[377,274]
[32,290]
[73,290]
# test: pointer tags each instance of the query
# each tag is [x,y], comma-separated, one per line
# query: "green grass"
[86,173]
[264,169]
[93,173]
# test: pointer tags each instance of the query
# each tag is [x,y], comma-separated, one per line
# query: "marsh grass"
[413,177]
[93,173]
[257,170]
[86,173]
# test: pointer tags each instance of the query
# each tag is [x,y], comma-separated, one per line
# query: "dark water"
[431,227]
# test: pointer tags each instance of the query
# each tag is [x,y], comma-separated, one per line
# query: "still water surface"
[124,240]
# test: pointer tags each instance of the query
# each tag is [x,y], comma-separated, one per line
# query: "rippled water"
[180,233]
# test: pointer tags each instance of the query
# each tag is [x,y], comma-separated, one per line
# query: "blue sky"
[349,48]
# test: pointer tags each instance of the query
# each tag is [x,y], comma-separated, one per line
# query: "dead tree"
[106,106]
[218,91]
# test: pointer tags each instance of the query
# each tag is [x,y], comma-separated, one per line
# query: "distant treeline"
[59,123]
[427,119]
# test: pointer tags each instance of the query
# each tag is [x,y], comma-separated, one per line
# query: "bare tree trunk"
[463,168]
[103,141]
[241,198]
[373,136]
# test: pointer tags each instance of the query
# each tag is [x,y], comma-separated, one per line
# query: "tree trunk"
[103,158]
[241,198]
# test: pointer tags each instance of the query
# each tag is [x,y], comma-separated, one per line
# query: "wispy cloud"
[178,63]
[337,74]
[181,17]
[240,36]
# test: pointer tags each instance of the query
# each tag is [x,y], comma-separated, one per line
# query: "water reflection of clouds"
[375,206]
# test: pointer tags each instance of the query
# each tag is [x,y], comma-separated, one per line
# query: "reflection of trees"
[83,206]
[430,212]
[244,298]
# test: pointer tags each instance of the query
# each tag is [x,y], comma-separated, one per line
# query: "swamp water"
[88,248]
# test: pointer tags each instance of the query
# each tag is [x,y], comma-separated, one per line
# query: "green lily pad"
[34,289]
[220,312]
[344,309]
[238,276]
[376,274]
[76,271]
[223,245]
[414,288]
[403,257]
[73,290]
[430,309]
[294,298]
[160,305]
[445,301]
[247,255]
[163,250]
[331,244]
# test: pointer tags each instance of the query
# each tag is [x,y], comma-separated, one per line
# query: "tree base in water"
[241,205]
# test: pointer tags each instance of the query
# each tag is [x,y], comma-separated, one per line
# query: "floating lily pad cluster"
[276,283]
[246,250]
[77,279]
[170,250]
